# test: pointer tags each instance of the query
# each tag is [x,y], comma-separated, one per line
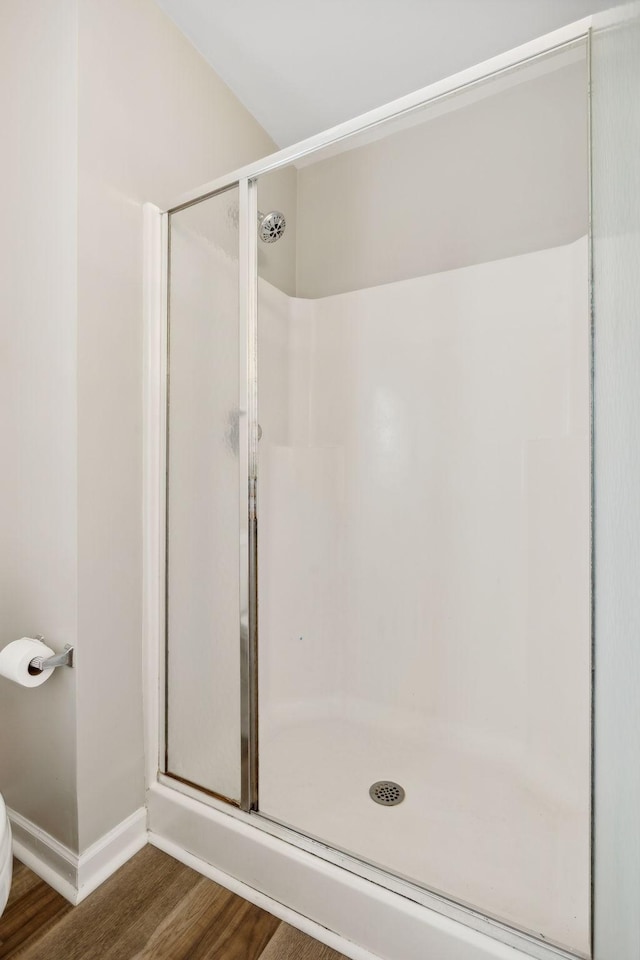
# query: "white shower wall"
[424,579]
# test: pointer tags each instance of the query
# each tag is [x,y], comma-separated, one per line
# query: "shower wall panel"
[489,178]
[424,580]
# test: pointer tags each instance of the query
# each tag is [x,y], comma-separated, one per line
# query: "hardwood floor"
[153,908]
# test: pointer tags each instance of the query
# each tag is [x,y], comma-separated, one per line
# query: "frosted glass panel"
[203,596]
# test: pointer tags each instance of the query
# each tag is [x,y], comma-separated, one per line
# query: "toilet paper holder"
[64,659]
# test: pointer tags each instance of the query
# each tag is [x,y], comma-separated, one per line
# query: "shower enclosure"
[377,501]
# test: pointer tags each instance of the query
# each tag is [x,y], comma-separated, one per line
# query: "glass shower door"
[423,500]
[424,526]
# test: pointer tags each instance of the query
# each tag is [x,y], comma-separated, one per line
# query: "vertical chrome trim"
[592,490]
[154,306]
[163,631]
[252,292]
[243,480]
[247,477]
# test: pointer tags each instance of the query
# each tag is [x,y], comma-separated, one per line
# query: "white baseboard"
[354,916]
[56,864]
[72,875]
[109,853]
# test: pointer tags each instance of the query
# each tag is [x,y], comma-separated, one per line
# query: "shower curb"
[355,916]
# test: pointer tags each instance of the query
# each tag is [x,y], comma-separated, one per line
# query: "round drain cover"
[386,792]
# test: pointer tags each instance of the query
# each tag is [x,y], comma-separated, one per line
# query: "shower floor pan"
[470,827]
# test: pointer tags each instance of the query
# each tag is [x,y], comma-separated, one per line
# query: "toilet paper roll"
[16,657]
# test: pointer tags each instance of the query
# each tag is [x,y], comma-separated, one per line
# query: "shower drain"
[386,792]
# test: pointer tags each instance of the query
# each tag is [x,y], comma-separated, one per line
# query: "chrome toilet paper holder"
[64,659]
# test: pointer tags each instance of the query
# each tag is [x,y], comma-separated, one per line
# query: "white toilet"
[6,857]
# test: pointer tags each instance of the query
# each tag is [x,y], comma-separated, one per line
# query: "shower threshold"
[175,806]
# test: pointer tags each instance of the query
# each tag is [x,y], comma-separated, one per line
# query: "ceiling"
[301,67]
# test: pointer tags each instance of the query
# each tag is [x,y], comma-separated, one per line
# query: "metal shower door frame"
[248,480]
[611,895]
[157,349]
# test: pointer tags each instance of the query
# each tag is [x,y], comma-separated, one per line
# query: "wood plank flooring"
[153,908]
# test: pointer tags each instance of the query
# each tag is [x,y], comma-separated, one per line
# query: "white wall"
[105,106]
[277,261]
[154,120]
[38,482]
[501,176]
[616,266]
